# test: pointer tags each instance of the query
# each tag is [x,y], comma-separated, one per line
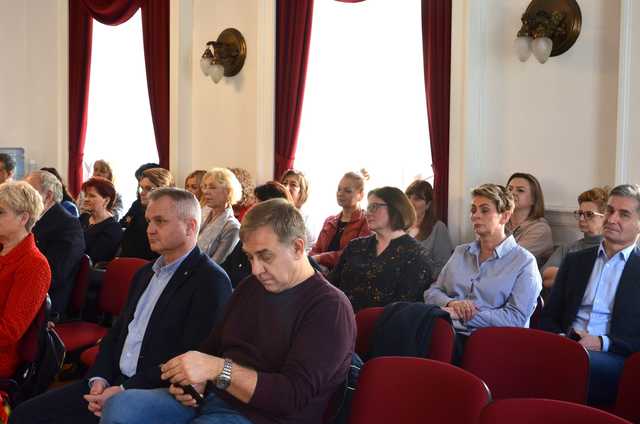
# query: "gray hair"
[187,205]
[49,182]
[21,197]
[278,214]
[627,190]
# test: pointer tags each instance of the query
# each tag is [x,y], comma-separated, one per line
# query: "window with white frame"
[364,104]
[119,125]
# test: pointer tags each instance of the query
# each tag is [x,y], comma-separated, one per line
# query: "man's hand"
[192,367]
[450,311]
[185,398]
[464,309]
[97,401]
[593,343]
[97,387]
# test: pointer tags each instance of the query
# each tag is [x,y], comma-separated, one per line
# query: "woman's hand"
[464,309]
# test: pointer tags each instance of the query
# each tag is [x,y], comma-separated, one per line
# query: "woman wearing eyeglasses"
[388,266]
[592,205]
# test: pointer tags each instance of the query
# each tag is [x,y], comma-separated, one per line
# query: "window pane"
[364,104]
[119,126]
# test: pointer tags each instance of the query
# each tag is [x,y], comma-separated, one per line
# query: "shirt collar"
[502,249]
[623,254]
[159,266]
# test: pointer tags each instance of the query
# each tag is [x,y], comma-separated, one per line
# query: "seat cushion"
[80,334]
[88,357]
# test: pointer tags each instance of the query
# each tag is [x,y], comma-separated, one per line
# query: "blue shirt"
[594,313]
[503,288]
[138,326]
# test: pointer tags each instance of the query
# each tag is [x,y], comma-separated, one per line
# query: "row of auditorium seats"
[404,390]
[519,363]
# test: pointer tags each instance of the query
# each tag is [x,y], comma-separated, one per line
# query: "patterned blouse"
[400,273]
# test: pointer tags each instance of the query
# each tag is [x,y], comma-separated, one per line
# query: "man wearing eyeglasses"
[596,295]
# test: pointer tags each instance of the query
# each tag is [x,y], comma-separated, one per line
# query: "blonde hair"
[159,177]
[21,197]
[499,195]
[228,180]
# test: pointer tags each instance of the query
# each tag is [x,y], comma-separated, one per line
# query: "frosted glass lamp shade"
[523,48]
[216,72]
[205,65]
[541,48]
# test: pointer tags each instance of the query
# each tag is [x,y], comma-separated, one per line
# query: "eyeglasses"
[145,189]
[373,207]
[586,214]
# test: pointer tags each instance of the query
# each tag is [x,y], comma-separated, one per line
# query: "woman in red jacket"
[24,272]
[338,230]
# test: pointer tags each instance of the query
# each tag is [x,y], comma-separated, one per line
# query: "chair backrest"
[79,293]
[414,390]
[117,280]
[534,322]
[30,342]
[526,363]
[628,401]
[441,343]
[547,411]
[365,323]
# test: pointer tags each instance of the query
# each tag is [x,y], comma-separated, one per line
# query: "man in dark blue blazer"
[172,305]
[596,295]
[59,237]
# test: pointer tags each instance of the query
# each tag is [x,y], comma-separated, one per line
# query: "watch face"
[222,383]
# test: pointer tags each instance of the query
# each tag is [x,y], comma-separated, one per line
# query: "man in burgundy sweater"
[282,349]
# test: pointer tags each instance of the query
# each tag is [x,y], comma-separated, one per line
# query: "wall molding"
[266,81]
[624,89]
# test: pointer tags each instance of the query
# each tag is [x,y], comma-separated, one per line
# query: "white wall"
[230,123]
[557,121]
[33,87]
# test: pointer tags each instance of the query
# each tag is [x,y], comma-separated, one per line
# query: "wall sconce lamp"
[549,28]
[225,56]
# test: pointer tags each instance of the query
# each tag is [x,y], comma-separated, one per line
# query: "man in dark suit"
[59,237]
[596,295]
[172,305]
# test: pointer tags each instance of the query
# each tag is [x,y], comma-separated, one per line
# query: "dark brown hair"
[423,190]
[537,211]
[402,215]
[272,190]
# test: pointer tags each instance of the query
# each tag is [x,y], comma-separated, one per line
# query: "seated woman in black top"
[388,266]
[102,233]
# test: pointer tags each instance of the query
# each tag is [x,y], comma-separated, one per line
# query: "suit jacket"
[569,288]
[60,238]
[184,315]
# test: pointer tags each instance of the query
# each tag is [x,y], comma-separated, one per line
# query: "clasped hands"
[463,310]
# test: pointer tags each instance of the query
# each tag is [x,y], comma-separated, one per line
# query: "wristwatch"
[223,380]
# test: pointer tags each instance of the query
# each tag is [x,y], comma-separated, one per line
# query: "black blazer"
[568,291]
[102,240]
[184,315]
[60,238]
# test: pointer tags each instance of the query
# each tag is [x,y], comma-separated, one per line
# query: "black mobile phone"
[190,390]
[573,335]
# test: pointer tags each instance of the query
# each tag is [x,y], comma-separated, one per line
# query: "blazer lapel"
[628,281]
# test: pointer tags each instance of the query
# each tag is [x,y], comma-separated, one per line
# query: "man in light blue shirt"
[596,295]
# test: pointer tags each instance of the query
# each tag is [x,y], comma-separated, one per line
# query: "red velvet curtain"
[436,50]
[155,27]
[293,33]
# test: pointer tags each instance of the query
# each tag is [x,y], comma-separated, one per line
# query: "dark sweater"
[402,272]
[299,341]
[102,239]
[135,243]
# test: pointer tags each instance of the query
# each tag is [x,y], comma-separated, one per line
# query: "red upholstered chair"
[526,363]
[535,317]
[79,293]
[442,335]
[88,357]
[113,295]
[628,401]
[404,390]
[547,411]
